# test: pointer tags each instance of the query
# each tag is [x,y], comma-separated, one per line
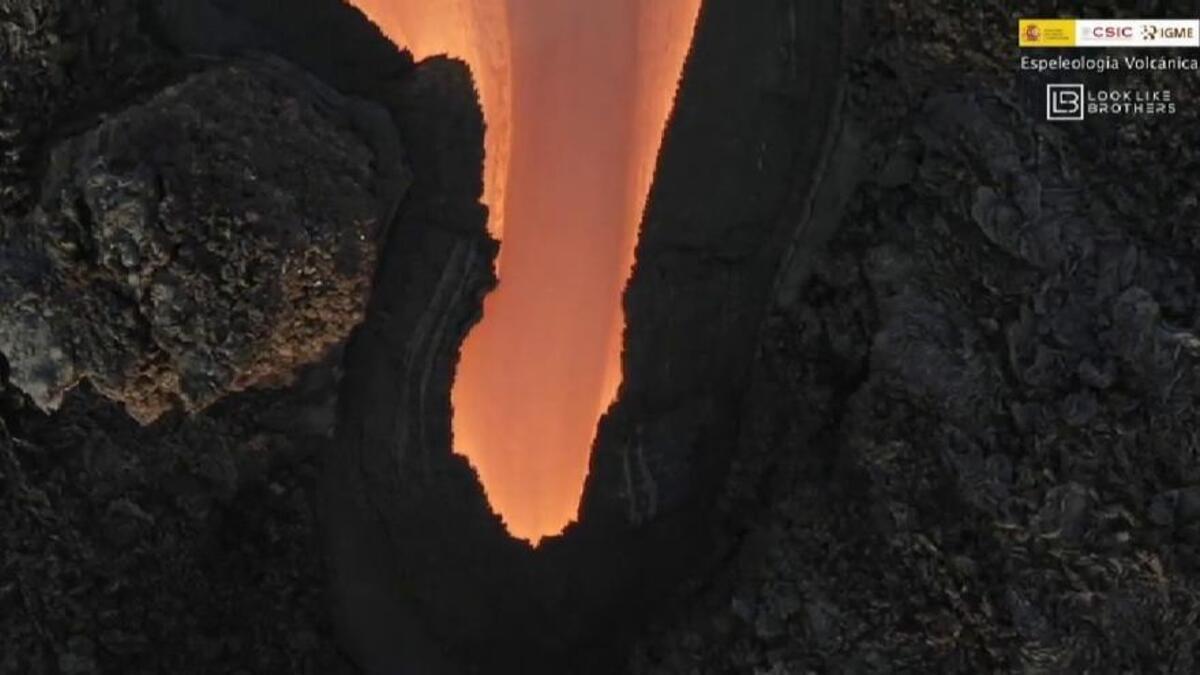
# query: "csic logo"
[1064,102]
[1113,32]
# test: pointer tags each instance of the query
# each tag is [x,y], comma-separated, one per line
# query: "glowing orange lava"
[576,95]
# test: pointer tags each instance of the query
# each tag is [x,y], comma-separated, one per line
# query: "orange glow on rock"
[576,96]
[475,31]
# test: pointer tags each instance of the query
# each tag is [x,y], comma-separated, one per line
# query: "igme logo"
[1064,102]
[1153,32]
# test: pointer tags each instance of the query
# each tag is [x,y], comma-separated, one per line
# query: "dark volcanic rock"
[970,443]
[186,546]
[962,440]
[397,504]
[183,547]
[217,236]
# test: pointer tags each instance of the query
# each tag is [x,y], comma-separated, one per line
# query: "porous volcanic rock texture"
[216,236]
[187,545]
[970,443]
[966,442]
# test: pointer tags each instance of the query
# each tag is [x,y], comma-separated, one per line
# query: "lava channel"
[575,96]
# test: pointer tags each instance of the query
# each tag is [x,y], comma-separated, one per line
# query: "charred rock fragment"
[217,236]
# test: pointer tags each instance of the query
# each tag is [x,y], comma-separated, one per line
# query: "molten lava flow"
[576,95]
[475,31]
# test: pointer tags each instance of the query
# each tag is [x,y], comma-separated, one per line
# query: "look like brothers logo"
[1075,102]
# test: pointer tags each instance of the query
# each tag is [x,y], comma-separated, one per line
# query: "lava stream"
[576,96]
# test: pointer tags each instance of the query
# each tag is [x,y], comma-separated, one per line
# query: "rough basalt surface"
[951,429]
[969,444]
[177,257]
[186,546]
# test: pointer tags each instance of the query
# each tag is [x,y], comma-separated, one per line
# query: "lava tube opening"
[576,97]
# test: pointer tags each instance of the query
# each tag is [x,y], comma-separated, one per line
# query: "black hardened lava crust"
[189,545]
[909,380]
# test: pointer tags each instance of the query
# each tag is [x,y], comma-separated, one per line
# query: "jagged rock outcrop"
[217,236]
[185,546]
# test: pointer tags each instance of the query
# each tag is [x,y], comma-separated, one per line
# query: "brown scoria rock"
[217,236]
